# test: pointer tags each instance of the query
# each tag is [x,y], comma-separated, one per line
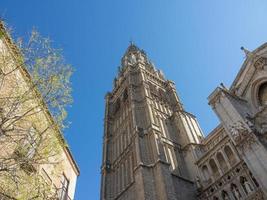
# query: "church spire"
[132,48]
[134,56]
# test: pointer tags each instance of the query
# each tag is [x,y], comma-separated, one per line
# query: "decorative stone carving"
[198,183]
[259,124]
[108,166]
[115,82]
[140,131]
[243,137]
[260,62]
[261,120]
[140,57]
[132,59]
[124,61]
[225,195]
[238,131]
[261,94]
[248,187]
[237,194]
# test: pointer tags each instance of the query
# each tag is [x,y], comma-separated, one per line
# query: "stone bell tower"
[150,141]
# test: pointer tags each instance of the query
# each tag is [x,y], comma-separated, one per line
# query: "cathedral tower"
[150,142]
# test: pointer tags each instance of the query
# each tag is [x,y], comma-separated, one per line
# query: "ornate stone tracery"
[234,184]
[260,63]
[262,94]
[241,135]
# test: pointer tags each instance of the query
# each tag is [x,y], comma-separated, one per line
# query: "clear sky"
[195,43]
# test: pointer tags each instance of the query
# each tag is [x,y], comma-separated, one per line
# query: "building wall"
[16,80]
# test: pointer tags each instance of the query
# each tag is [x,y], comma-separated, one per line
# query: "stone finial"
[131,42]
[223,86]
[132,47]
[247,52]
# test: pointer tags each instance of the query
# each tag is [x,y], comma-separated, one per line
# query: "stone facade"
[155,150]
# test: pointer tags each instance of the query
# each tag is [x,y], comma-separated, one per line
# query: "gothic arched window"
[246,185]
[235,191]
[222,162]
[125,95]
[205,173]
[117,106]
[262,94]
[254,179]
[225,195]
[153,89]
[214,168]
[230,155]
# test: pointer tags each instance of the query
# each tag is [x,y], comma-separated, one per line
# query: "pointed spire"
[131,42]
[132,47]
[247,52]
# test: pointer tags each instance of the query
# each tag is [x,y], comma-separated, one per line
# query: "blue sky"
[196,44]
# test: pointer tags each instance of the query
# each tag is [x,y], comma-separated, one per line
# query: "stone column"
[226,159]
[241,189]
[218,166]
[210,173]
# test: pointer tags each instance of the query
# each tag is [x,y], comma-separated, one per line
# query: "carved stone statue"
[153,66]
[260,120]
[236,193]
[124,61]
[140,57]
[234,132]
[238,131]
[225,196]
[248,187]
[132,59]
[198,183]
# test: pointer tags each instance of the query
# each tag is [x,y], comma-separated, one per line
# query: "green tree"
[35,90]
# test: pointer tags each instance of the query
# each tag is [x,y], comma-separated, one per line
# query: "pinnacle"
[132,47]
[247,52]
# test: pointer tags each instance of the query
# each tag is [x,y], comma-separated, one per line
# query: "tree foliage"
[49,73]
[35,90]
